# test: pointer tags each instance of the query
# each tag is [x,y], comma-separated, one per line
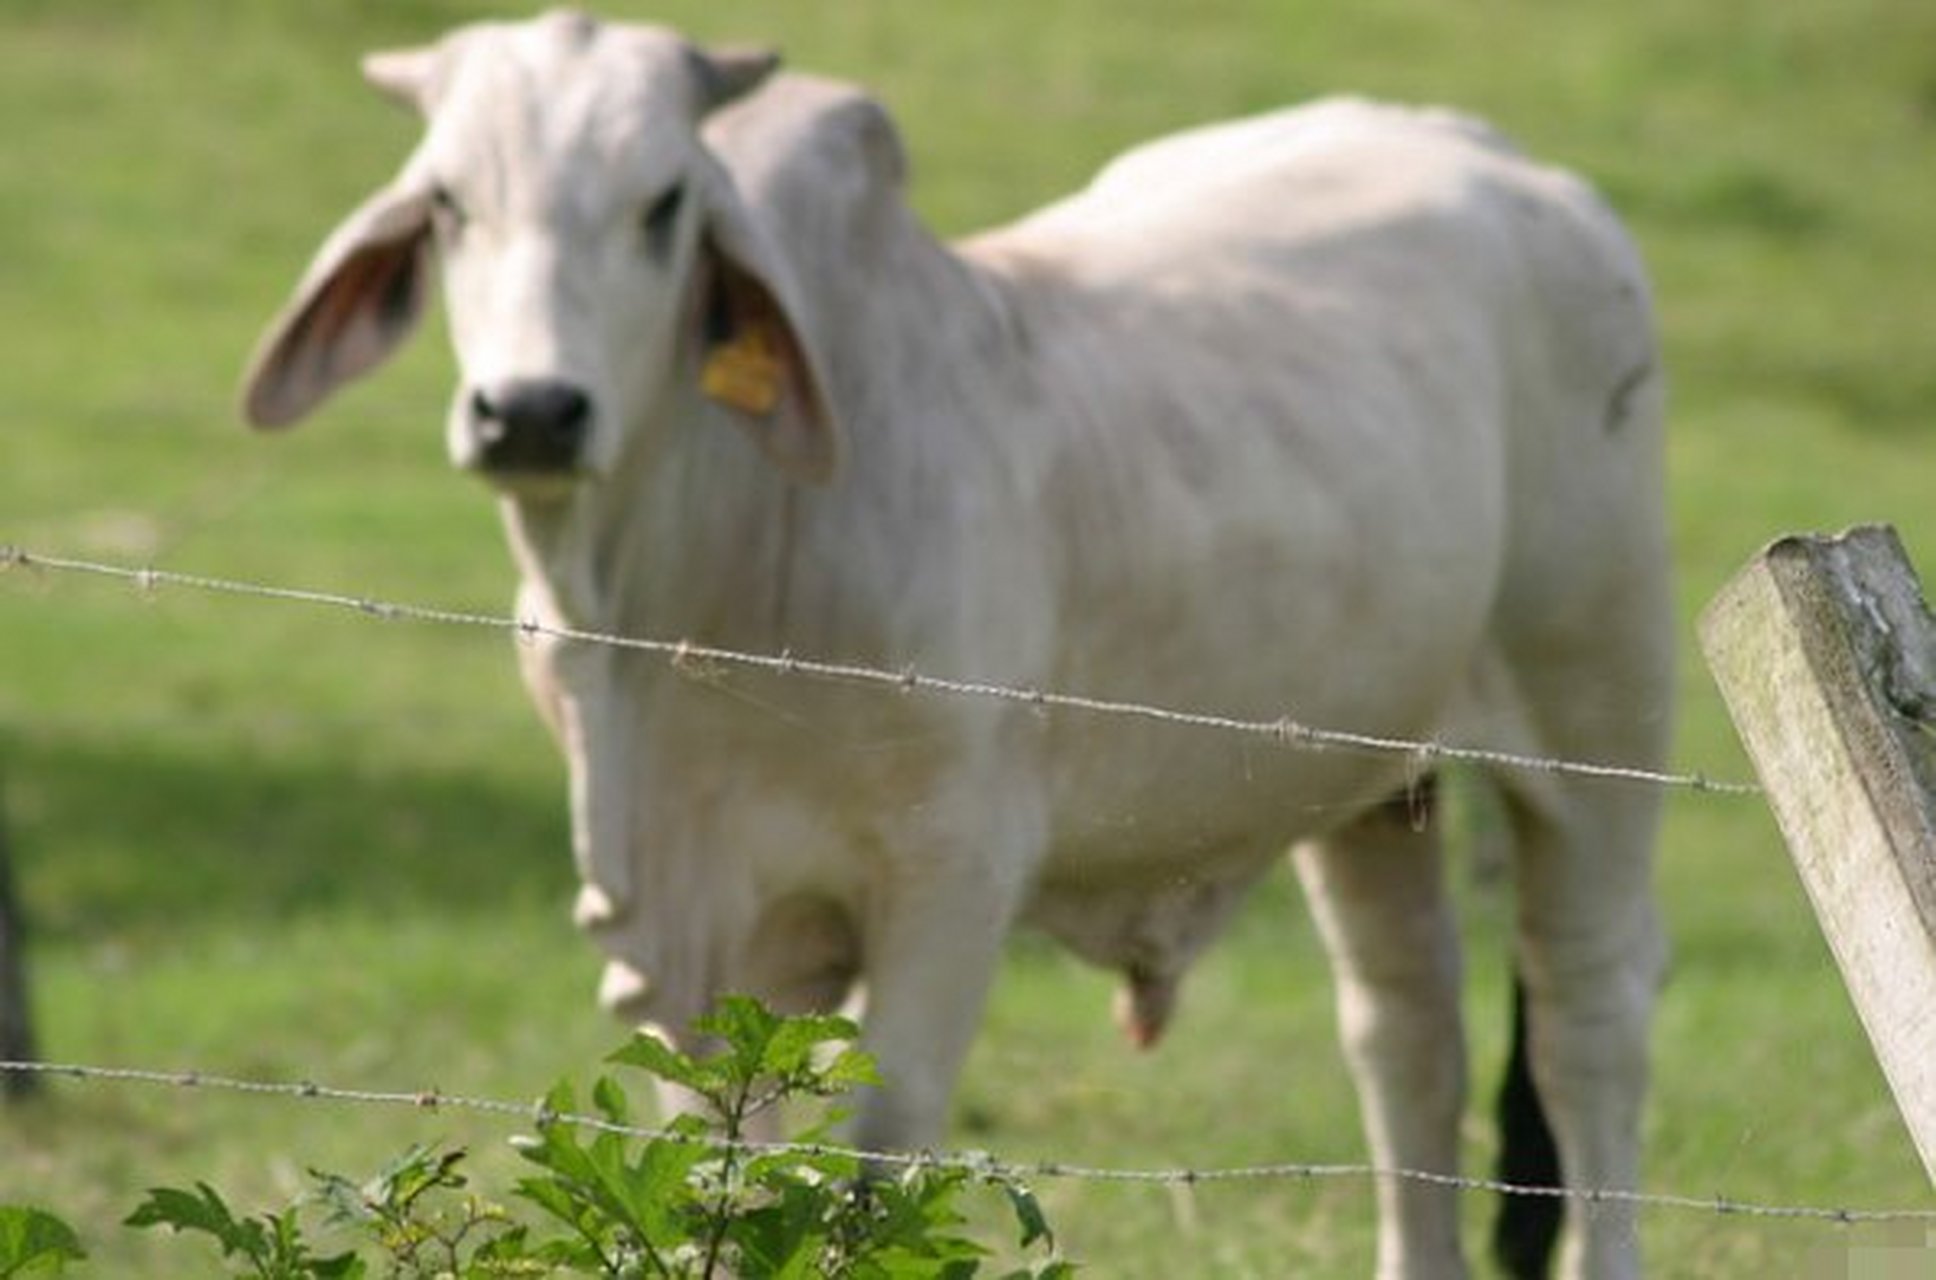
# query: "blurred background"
[262,839]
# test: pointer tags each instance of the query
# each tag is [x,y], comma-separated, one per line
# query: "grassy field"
[257,839]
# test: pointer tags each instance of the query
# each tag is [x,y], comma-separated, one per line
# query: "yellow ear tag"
[746,373]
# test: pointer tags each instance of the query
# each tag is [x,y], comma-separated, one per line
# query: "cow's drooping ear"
[361,297]
[754,357]
[730,72]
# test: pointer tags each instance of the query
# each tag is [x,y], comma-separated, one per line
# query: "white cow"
[1348,412]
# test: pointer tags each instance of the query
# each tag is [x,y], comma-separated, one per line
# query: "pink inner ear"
[355,318]
[377,287]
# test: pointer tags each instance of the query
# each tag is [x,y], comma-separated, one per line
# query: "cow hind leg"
[1589,953]
[1376,890]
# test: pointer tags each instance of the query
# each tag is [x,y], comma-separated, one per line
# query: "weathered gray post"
[1826,655]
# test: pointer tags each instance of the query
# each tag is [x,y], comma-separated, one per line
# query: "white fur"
[1346,412]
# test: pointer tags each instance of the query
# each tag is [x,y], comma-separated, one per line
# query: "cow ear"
[756,359]
[362,295]
[407,77]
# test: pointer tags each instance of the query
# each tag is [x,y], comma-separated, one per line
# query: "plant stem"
[733,1118]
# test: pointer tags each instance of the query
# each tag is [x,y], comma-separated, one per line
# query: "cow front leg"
[577,691]
[1376,891]
[950,890]
[932,957]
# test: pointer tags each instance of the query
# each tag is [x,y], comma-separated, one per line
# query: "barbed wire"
[688,656]
[981,1164]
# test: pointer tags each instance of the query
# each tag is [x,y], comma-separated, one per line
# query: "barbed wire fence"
[694,659]
[539,1116]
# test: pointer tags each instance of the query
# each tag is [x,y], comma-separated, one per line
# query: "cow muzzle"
[528,427]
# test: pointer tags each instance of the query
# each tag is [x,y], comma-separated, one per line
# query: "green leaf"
[603,1193]
[342,1266]
[554,1197]
[391,1194]
[654,1056]
[790,1045]
[556,1146]
[783,1239]
[505,1253]
[568,1203]
[343,1201]
[35,1240]
[204,1212]
[747,1029]
[611,1101]
[849,1068]
[659,1192]
[1028,1213]
[575,1257]
[911,1217]
[419,1170]
[691,1130]
[822,1169]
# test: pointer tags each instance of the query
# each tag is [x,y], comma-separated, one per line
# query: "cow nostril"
[489,425]
[531,424]
[565,409]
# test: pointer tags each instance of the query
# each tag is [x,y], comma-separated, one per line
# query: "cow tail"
[1528,1226]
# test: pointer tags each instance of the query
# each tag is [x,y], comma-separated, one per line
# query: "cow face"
[596,259]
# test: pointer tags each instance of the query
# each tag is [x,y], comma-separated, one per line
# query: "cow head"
[598,262]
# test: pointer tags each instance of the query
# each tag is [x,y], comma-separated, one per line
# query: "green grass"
[260,839]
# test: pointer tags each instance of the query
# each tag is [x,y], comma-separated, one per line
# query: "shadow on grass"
[120,840]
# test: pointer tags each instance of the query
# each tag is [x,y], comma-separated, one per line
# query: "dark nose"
[530,424]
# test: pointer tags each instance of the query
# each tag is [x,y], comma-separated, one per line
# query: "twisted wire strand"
[688,656]
[979,1164]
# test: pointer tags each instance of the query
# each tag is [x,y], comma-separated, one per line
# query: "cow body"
[1347,413]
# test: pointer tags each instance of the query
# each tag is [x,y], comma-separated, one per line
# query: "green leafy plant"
[419,1213]
[688,1205]
[269,1246]
[690,1201]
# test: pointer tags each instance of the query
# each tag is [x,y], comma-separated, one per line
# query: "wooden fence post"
[1826,655]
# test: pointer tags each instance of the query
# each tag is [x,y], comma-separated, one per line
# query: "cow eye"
[661,218]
